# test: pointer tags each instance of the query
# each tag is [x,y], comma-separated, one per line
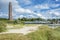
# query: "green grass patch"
[13,37]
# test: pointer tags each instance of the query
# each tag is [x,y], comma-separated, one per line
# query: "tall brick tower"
[10,11]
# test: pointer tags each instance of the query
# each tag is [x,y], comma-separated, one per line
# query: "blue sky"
[31,8]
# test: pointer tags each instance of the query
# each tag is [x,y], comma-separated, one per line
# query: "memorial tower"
[10,11]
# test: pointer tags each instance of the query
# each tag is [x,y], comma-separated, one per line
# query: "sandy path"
[24,30]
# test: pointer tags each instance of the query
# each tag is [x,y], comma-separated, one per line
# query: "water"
[54,25]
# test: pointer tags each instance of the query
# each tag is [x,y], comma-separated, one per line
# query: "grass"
[44,33]
[15,26]
[2,27]
[13,37]
[19,26]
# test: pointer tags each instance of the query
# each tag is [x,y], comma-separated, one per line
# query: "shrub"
[16,21]
[2,27]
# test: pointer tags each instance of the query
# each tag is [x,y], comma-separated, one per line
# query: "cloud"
[41,16]
[54,5]
[56,12]
[7,1]
[57,0]
[29,11]
[22,10]
[26,2]
[42,6]
[3,15]
[21,16]
[18,10]
[31,16]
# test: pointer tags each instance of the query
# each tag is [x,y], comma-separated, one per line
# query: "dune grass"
[43,33]
[2,27]
[13,37]
[16,26]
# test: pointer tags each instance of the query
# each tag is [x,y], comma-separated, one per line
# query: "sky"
[46,9]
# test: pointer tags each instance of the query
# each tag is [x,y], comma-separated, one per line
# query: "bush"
[16,21]
[2,27]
